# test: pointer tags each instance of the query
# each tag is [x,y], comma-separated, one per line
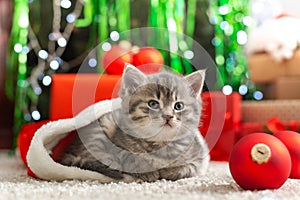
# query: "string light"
[258,95]
[25,50]
[43,54]
[37,90]
[242,37]
[18,48]
[216,41]
[51,36]
[106,46]
[114,36]
[62,42]
[71,18]
[27,117]
[227,90]
[23,21]
[36,115]
[188,54]
[47,80]
[92,62]
[243,89]
[220,60]
[224,10]
[66,4]
[224,25]
[54,65]
[247,21]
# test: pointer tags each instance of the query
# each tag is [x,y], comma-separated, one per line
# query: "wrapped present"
[269,116]
[284,87]
[264,69]
[71,93]
[262,111]
[220,122]
[272,125]
[248,128]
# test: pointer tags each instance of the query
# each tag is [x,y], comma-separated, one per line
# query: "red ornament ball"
[113,61]
[291,140]
[148,60]
[260,161]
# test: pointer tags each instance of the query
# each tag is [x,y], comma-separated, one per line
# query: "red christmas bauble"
[260,161]
[148,60]
[113,61]
[291,140]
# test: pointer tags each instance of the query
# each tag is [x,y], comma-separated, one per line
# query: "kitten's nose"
[168,117]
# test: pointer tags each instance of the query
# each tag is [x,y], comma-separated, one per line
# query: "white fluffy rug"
[217,184]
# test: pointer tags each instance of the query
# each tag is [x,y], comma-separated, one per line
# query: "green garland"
[16,85]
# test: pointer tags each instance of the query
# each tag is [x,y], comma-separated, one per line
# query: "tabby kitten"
[152,135]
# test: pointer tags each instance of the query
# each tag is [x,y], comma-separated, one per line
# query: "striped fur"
[153,136]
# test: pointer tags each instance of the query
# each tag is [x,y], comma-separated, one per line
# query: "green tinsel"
[227,15]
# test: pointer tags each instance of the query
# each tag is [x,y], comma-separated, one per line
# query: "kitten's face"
[160,106]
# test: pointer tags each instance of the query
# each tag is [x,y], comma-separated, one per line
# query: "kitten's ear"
[196,81]
[132,78]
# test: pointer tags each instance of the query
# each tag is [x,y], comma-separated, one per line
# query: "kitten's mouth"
[168,124]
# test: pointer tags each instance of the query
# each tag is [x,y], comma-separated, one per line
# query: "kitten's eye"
[153,104]
[179,106]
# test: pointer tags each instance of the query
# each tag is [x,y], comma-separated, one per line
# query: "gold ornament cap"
[260,153]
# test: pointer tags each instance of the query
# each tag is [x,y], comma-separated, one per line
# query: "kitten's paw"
[175,173]
[149,176]
[129,178]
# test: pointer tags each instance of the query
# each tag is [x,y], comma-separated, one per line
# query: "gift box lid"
[71,93]
[262,111]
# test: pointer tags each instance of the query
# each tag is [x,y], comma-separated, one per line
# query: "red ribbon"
[275,125]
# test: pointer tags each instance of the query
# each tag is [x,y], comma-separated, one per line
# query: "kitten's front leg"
[119,176]
[97,166]
[148,176]
[179,172]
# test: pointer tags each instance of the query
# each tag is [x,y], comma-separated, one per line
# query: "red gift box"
[71,93]
[220,119]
